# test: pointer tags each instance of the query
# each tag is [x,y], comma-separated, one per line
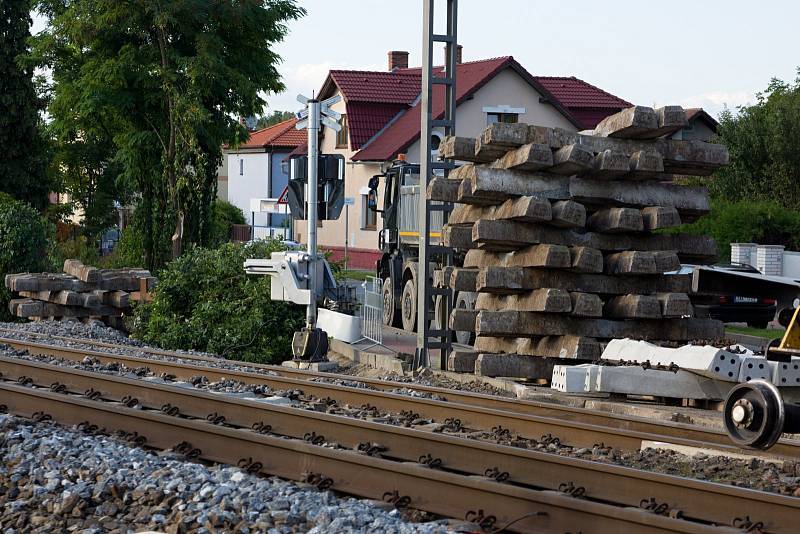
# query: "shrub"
[205,301]
[23,243]
[766,223]
[223,216]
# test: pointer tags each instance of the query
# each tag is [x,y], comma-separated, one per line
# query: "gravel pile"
[94,331]
[55,479]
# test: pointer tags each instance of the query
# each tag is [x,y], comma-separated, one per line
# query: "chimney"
[398,59]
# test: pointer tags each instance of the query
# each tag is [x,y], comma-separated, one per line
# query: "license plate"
[745,300]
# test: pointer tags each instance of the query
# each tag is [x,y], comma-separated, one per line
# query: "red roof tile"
[377,87]
[575,93]
[282,135]
[365,120]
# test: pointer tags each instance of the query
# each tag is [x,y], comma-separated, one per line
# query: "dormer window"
[502,113]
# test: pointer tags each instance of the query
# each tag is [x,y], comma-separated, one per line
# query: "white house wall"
[507,88]
[252,183]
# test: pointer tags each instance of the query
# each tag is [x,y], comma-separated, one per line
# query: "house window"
[510,118]
[369,218]
[341,135]
[241,167]
[503,113]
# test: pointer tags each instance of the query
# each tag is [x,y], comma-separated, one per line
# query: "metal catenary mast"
[428,251]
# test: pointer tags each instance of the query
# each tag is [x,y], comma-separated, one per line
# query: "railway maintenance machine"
[398,241]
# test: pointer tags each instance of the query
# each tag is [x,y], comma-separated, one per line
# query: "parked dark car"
[757,312]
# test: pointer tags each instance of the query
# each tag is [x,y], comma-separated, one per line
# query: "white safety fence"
[372,311]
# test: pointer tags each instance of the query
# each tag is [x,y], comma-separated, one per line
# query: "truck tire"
[465,300]
[391,315]
[408,306]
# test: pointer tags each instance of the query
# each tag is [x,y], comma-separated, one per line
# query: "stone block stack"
[561,238]
[81,292]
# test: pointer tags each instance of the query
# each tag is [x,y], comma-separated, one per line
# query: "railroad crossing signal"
[328,117]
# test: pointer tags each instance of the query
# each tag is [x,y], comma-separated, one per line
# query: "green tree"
[764,144]
[23,164]
[273,118]
[23,243]
[164,81]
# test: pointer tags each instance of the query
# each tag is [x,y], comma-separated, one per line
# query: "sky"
[708,54]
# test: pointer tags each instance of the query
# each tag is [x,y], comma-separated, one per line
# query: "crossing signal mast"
[302,277]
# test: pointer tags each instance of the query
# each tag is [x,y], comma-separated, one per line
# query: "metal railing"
[372,312]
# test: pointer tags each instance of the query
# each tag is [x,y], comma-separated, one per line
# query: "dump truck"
[398,241]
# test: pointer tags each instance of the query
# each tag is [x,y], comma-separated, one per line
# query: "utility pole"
[316,113]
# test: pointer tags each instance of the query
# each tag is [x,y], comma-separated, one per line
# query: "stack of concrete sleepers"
[560,237]
[81,292]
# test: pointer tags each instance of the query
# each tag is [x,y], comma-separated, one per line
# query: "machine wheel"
[754,414]
[391,316]
[408,306]
[465,300]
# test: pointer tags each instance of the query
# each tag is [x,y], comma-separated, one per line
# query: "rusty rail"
[573,426]
[521,507]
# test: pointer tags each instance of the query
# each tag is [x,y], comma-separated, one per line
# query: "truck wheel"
[408,306]
[466,301]
[391,317]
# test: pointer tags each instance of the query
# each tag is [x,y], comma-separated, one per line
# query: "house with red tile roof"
[255,172]
[381,119]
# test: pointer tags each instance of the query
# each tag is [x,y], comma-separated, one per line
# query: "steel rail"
[573,432]
[521,509]
[713,437]
[696,500]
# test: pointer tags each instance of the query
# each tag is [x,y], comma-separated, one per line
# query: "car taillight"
[723,300]
[769,302]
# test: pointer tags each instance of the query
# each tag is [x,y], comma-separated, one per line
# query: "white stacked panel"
[570,378]
[787,373]
[754,368]
[639,381]
[703,360]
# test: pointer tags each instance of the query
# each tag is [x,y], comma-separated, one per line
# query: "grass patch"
[768,333]
[356,274]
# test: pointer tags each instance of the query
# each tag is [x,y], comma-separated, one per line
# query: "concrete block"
[787,373]
[610,164]
[754,368]
[530,157]
[514,365]
[572,159]
[629,123]
[703,360]
[462,361]
[657,383]
[645,165]
[568,214]
[571,378]
[658,217]
[616,220]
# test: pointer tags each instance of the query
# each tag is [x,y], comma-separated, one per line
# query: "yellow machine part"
[791,338]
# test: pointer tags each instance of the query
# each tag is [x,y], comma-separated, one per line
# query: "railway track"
[498,486]
[574,426]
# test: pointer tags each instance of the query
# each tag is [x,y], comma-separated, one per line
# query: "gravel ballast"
[757,474]
[57,479]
